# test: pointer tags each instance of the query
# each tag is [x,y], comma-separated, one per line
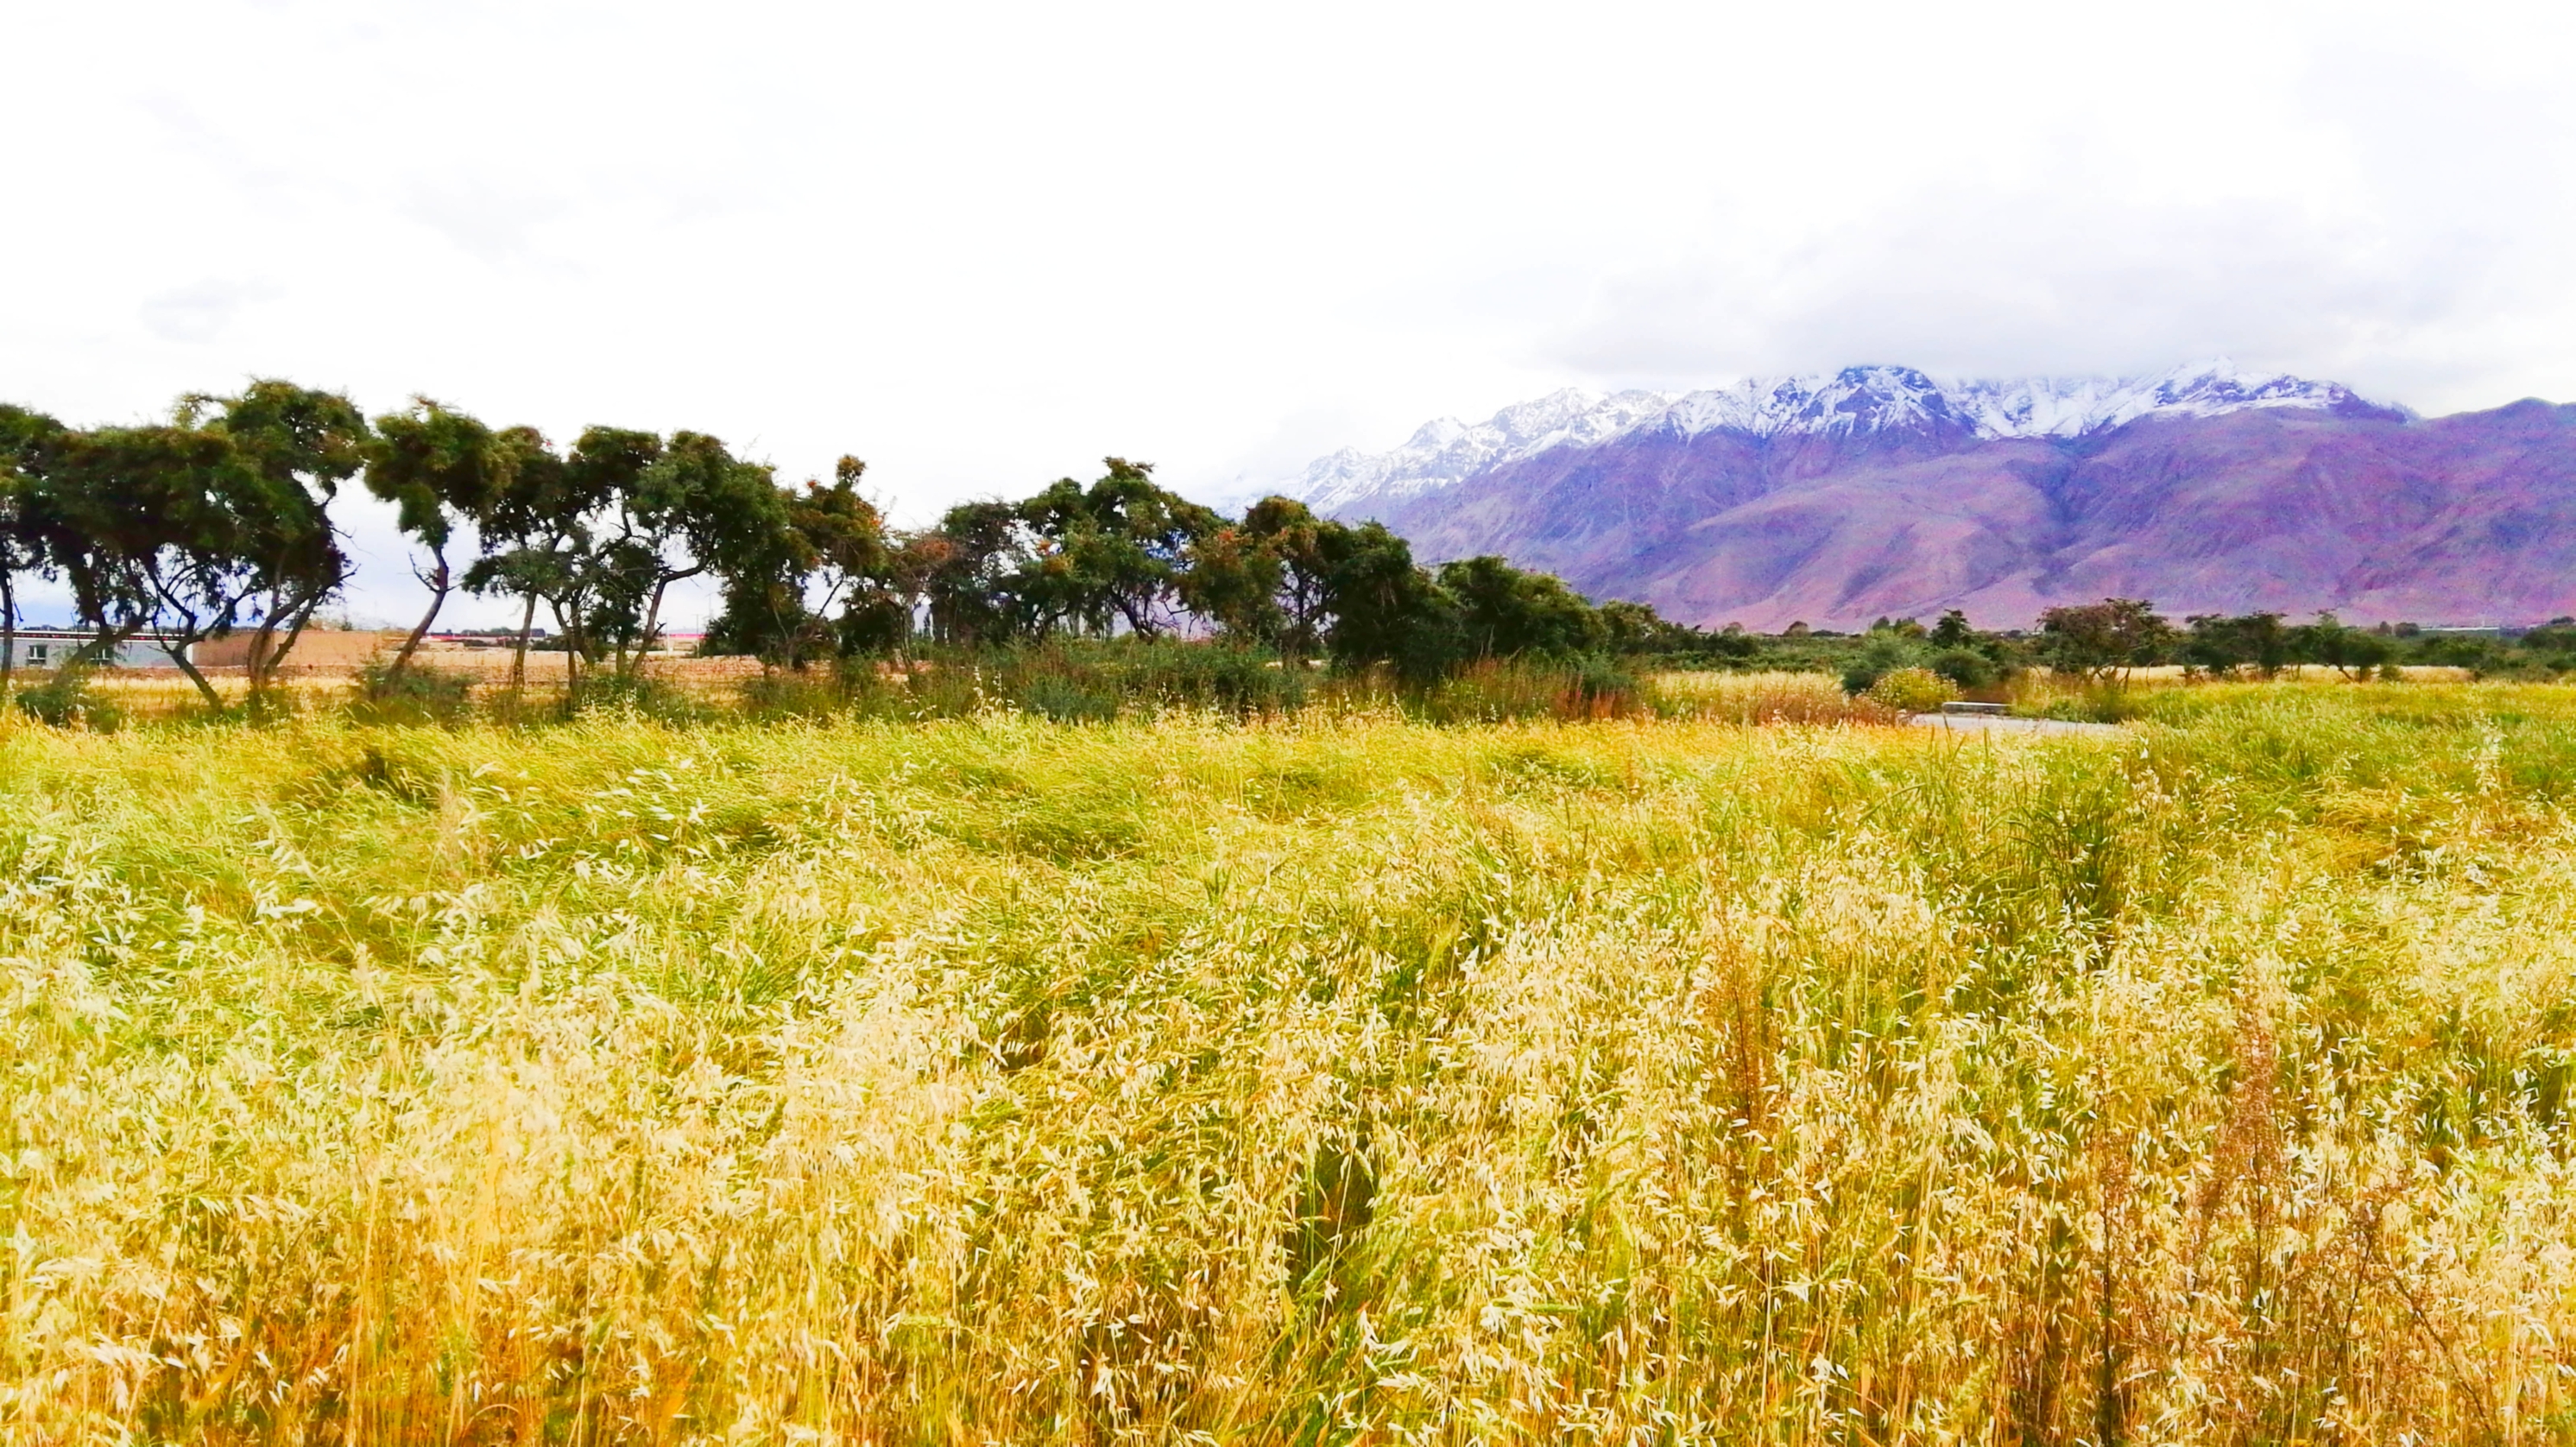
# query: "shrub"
[1912,690]
[1499,689]
[1598,688]
[1065,699]
[415,695]
[1882,655]
[607,691]
[1964,667]
[67,701]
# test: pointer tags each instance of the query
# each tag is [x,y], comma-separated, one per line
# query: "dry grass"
[1347,1080]
[1763,698]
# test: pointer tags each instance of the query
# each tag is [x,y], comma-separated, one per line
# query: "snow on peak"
[2074,406]
[1446,451]
[1851,401]
[1855,399]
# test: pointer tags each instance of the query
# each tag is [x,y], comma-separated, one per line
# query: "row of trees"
[2118,633]
[218,522]
[2100,640]
[213,521]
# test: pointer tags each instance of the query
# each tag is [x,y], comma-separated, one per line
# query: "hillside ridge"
[1881,491]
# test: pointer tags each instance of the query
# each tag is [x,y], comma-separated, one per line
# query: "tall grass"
[1067,681]
[1336,1078]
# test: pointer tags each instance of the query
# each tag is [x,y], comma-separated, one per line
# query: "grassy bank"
[1076,682]
[1346,1077]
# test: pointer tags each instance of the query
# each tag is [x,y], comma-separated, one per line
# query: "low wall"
[316,649]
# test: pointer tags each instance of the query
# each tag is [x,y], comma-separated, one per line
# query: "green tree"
[299,444]
[2350,652]
[1235,579]
[1953,631]
[2094,640]
[26,439]
[442,470]
[1881,653]
[565,540]
[1628,627]
[692,509]
[1267,578]
[1964,667]
[1118,548]
[1384,609]
[195,528]
[869,591]
[2222,645]
[2552,645]
[1296,539]
[1505,612]
[19,553]
[607,568]
[527,534]
[830,581]
[971,569]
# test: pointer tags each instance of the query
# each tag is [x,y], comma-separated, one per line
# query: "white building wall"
[45,648]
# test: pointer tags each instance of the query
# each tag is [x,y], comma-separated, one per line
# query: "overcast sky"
[981,246]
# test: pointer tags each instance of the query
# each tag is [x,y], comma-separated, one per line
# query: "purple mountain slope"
[1881,493]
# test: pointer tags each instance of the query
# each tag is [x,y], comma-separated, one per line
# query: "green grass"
[1345,1077]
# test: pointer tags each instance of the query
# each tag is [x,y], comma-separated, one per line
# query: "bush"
[415,695]
[1500,689]
[1884,654]
[1912,690]
[1964,667]
[1599,688]
[790,693]
[67,701]
[1064,699]
[1234,680]
[608,691]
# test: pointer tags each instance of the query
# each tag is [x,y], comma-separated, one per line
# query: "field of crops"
[1342,1078]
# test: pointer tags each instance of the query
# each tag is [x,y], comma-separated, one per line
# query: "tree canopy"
[217,520]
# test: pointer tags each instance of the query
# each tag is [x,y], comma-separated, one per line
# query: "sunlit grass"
[1761,698]
[1343,1078]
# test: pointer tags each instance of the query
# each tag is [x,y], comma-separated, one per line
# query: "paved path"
[1989,723]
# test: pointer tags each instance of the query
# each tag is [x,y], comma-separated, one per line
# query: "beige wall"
[317,648]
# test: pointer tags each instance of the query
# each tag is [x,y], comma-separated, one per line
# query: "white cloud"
[985,246]
[198,312]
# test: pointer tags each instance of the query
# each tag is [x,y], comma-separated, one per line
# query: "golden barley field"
[1336,1079]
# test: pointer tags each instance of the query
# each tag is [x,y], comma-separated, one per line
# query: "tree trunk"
[8,629]
[652,617]
[178,652]
[256,663]
[263,660]
[519,658]
[568,618]
[303,620]
[439,582]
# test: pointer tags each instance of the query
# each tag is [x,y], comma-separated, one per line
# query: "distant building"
[329,649]
[46,648]
[485,637]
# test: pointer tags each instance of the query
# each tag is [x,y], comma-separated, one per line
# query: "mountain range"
[1882,492]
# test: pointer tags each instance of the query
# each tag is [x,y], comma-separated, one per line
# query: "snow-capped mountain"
[1855,400]
[1881,492]
[1446,451]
